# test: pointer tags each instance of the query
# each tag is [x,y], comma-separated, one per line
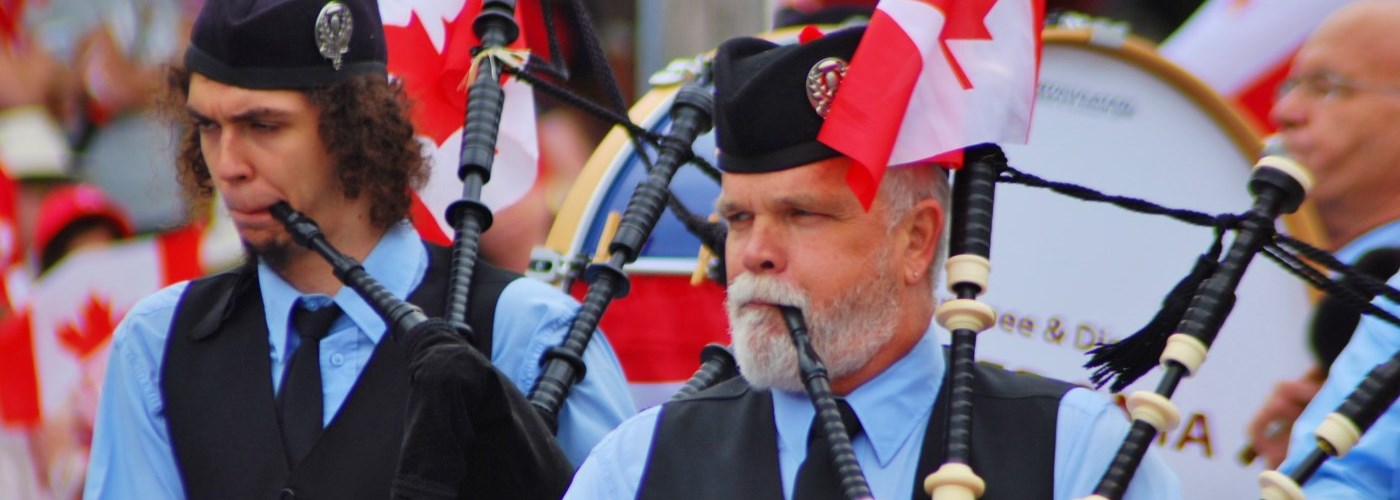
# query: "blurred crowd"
[85,163]
[76,125]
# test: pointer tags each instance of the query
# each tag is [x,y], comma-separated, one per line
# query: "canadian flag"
[10,255]
[53,350]
[430,44]
[931,77]
[1242,48]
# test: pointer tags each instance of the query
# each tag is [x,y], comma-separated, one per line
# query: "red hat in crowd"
[69,204]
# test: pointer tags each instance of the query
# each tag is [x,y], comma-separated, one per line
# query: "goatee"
[846,333]
[277,253]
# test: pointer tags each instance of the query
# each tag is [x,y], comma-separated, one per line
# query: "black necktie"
[817,478]
[300,399]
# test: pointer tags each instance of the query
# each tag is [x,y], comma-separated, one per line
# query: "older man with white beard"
[864,278]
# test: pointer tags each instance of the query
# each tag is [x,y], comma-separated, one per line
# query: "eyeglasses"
[1328,86]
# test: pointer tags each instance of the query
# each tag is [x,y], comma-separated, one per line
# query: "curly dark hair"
[364,125]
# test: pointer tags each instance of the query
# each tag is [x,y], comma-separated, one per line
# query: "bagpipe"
[818,385]
[678,139]
[1093,84]
[1340,431]
[1278,185]
[499,449]
[468,431]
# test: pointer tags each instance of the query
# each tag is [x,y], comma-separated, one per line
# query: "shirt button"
[337,359]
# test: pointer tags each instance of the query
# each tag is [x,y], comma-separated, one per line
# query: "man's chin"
[276,253]
[766,357]
[767,379]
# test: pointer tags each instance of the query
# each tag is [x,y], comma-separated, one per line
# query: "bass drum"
[1068,274]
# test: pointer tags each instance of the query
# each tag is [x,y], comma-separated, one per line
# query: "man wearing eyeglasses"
[1339,114]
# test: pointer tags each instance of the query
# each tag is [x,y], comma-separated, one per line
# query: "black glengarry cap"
[765,120]
[287,44]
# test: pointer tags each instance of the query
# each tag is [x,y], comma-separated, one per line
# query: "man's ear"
[923,230]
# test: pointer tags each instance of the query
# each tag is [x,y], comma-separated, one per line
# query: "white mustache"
[751,288]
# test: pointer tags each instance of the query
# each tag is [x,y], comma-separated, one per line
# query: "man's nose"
[1289,111]
[764,250]
[229,163]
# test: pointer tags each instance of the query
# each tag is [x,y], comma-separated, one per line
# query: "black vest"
[721,443]
[219,403]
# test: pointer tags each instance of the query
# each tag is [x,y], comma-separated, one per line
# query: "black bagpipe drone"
[689,120]
[454,445]
[717,365]
[448,438]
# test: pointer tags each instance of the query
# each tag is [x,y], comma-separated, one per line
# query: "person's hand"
[461,413]
[113,81]
[27,74]
[1273,424]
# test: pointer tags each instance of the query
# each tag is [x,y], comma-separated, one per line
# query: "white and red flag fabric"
[53,350]
[430,50]
[11,256]
[11,16]
[931,77]
[1242,48]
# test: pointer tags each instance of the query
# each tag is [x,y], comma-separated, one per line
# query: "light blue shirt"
[1369,469]
[131,452]
[1384,236]
[894,409]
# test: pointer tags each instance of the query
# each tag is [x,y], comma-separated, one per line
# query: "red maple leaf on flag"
[438,106]
[97,324]
[435,81]
[963,20]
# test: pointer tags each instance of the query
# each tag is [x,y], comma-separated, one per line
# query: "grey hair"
[906,186]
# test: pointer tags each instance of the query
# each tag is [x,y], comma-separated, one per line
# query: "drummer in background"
[1339,115]
[797,235]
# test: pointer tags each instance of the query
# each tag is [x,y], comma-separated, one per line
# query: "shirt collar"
[398,262]
[889,406]
[1384,235]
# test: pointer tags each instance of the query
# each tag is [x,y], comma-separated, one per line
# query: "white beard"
[846,334]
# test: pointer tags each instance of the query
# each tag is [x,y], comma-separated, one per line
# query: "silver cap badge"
[333,26]
[823,80]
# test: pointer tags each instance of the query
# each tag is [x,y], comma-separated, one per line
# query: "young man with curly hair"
[222,387]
